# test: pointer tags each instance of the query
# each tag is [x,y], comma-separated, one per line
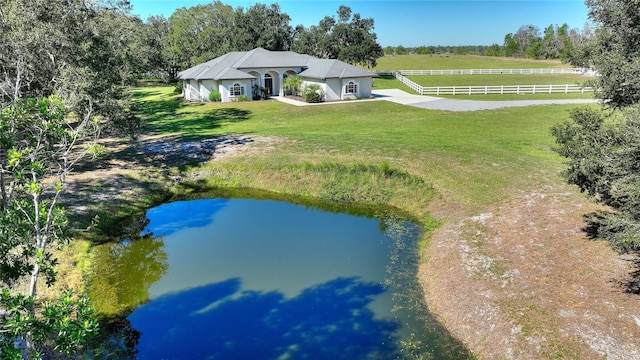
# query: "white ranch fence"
[577,71]
[492,89]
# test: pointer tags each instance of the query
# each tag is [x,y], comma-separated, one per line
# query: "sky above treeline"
[418,22]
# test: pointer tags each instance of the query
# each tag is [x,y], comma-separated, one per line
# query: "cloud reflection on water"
[326,321]
[168,218]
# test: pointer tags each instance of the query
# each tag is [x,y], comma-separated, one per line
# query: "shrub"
[312,93]
[241,98]
[256,92]
[178,87]
[293,83]
[215,96]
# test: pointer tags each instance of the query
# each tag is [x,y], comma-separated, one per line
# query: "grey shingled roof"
[260,57]
[211,68]
[328,68]
[230,66]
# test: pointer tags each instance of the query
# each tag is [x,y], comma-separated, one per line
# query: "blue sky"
[415,23]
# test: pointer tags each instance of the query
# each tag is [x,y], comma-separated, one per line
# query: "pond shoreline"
[473,282]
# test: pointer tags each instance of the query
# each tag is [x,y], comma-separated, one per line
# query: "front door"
[268,84]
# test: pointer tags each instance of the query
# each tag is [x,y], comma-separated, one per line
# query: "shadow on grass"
[163,117]
[146,92]
[169,113]
[156,109]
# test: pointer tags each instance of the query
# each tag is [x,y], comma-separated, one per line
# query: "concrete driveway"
[436,103]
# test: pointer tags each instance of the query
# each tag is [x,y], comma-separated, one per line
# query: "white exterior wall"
[364,88]
[225,86]
[333,90]
[192,92]
[206,86]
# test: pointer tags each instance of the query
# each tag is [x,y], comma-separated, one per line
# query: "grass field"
[481,80]
[473,158]
[438,62]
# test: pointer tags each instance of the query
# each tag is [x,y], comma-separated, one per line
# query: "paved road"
[436,103]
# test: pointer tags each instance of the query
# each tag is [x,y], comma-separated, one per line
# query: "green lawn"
[482,80]
[437,62]
[473,157]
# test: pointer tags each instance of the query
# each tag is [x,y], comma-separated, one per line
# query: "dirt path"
[522,281]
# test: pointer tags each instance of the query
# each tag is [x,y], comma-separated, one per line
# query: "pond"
[263,279]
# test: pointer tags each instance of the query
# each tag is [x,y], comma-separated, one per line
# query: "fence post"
[534,89]
[486,89]
[518,90]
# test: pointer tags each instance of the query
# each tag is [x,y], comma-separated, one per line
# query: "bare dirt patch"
[521,280]
[130,167]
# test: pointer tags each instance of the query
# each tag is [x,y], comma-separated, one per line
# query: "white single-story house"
[235,74]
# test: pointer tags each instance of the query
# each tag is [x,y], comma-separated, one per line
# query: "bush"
[293,83]
[215,96]
[178,87]
[241,98]
[312,93]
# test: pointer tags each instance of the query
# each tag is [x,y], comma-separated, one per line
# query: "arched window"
[351,88]
[237,90]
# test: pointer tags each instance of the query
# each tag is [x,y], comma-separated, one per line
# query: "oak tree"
[603,146]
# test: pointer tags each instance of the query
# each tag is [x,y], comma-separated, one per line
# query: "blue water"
[258,279]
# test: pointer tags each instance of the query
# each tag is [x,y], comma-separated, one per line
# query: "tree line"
[203,32]
[554,42]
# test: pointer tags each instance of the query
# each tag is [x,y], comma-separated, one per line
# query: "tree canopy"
[603,146]
[38,149]
[203,32]
[347,37]
[614,51]
[64,68]
[83,52]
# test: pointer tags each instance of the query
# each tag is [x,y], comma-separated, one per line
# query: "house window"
[237,90]
[351,88]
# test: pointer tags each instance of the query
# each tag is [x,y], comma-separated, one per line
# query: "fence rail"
[504,89]
[493,89]
[578,71]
